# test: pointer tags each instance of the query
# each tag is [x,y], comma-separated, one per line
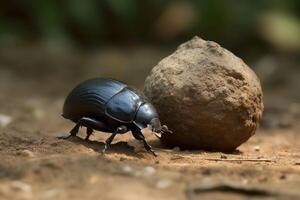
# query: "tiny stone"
[26,153]
[260,157]
[263,179]
[245,181]
[127,169]
[49,194]
[39,113]
[223,157]
[148,171]
[282,176]
[122,159]
[21,186]
[257,148]
[164,183]
[93,179]
[4,120]
[207,171]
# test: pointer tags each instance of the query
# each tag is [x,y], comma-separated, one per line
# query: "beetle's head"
[147,117]
[157,128]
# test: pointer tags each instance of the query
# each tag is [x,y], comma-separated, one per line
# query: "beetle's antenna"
[165,129]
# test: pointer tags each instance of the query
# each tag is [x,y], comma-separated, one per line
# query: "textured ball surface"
[207,96]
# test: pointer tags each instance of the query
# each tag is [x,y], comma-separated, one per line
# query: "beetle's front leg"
[139,136]
[120,129]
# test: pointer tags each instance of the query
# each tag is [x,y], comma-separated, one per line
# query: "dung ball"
[207,96]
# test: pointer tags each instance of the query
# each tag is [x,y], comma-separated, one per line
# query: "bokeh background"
[48,46]
[253,27]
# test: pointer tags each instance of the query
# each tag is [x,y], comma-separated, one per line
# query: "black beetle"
[109,105]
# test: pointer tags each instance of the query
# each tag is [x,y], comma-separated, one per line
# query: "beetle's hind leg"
[90,123]
[89,132]
[73,132]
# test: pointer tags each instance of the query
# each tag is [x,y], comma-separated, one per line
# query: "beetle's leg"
[89,132]
[73,132]
[108,142]
[120,129]
[93,124]
[148,147]
[139,136]
[89,123]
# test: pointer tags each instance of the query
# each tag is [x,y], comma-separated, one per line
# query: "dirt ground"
[36,165]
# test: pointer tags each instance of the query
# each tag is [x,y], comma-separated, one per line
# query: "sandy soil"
[36,165]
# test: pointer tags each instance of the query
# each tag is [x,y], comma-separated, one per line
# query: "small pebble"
[260,157]
[164,183]
[49,194]
[122,159]
[148,171]
[223,157]
[257,148]
[21,186]
[4,120]
[207,171]
[34,107]
[39,113]
[263,179]
[282,176]
[93,179]
[127,169]
[26,153]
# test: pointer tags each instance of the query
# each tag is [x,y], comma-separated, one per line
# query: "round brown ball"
[207,96]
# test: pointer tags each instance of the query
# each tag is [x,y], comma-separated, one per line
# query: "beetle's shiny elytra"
[109,105]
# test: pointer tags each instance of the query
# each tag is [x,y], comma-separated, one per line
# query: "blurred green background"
[48,46]
[244,26]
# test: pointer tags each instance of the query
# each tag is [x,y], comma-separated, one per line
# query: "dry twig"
[240,159]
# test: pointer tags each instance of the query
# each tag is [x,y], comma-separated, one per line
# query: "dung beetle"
[109,105]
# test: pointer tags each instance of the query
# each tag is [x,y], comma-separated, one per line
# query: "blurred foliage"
[236,24]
